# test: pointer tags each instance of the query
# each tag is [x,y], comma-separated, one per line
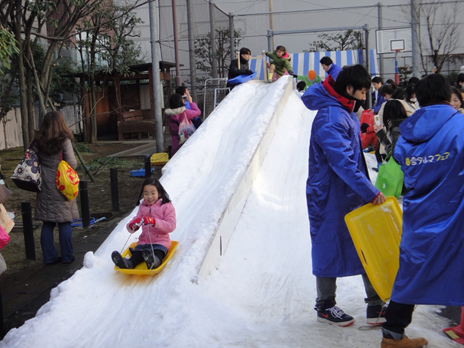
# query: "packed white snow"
[262,292]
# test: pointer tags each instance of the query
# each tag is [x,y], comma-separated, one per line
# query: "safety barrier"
[233,209]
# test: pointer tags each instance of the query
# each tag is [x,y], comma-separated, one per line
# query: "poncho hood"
[323,95]
[425,122]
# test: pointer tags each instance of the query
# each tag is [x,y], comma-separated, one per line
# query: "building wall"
[11,134]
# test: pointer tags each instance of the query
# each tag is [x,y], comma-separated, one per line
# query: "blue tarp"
[303,62]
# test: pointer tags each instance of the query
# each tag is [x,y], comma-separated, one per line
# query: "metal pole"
[271,25]
[366,33]
[368,61]
[176,44]
[28,230]
[269,35]
[380,24]
[232,37]
[191,44]
[212,22]
[147,166]
[156,77]
[84,196]
[414,37]
[114,189]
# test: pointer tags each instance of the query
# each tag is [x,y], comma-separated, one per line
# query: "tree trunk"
[30,103]
[22,83]
[47,74]
[92,110]
[23,104]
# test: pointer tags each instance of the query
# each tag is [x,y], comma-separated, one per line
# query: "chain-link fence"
[214,92]
[205,16]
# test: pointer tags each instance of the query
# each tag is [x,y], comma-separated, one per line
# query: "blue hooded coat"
[431,154]
[334,70]
[337,182]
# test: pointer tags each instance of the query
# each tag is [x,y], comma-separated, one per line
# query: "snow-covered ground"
[262,293]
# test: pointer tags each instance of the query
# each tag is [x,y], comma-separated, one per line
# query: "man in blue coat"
[338,183]
[431,154]
[330,67]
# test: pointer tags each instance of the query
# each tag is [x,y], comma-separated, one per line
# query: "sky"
[261,292]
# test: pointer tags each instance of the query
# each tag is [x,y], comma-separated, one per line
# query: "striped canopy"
[303,62]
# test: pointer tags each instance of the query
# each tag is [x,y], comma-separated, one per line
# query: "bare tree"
[108,32]
[48,23]
[438,34]
[203,52]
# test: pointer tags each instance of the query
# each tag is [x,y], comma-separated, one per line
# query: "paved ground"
[21,299]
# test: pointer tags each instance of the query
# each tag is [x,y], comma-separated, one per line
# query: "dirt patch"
[100,202]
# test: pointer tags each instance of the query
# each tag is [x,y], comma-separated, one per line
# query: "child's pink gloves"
[148,220]
[135,224]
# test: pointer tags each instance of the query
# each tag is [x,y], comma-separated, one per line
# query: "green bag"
[390,178]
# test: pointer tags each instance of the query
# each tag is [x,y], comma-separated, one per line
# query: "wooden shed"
[124,98]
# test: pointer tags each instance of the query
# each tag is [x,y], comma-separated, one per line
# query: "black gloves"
[364,127]
[295,76]
[248,72]
[290,72]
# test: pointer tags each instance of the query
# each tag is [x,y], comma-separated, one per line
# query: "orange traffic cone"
[457,333]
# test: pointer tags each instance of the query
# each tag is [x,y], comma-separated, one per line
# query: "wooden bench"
[134,122]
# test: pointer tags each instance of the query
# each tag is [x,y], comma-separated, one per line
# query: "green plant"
[83,148]
[203,52]
[7,47]
[404,72]
[348,40]
[109,162]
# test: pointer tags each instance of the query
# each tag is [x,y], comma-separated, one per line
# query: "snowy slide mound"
[223,159]
[208,181]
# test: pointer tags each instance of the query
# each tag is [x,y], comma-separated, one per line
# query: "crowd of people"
[419,127]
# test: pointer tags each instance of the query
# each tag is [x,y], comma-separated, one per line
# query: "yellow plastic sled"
[159,158]
[141,268]
[376,233]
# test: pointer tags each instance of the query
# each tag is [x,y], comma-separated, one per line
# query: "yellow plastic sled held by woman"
[376,233]
[141,268]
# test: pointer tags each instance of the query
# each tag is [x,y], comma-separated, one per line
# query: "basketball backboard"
[385,37]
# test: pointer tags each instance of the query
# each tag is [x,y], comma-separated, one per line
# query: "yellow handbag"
[67,180]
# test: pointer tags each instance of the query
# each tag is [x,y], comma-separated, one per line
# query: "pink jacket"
[173,122]
[165,216]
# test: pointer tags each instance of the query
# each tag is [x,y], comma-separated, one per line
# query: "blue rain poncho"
[337,181]
[431,154]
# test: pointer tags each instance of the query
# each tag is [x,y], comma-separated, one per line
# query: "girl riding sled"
[157,218]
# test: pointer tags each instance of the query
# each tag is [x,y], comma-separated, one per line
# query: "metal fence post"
[147,166]
[114,189]
[84,194]
[28,230]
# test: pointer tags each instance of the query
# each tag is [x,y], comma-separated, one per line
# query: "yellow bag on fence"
[67,180]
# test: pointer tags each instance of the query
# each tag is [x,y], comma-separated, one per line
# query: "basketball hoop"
[397,45]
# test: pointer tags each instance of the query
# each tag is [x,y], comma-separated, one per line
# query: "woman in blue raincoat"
[338,183]
[431,154]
